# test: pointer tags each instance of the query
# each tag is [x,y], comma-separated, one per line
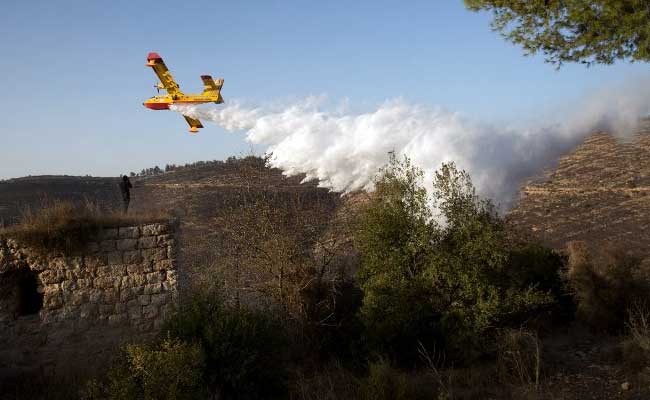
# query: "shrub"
[604,284]
[448,280]
[293,258]
[243,349]
[169,370]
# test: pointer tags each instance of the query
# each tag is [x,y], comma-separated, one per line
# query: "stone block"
[52,301]
[111,296]
[114,257]
[103,271]
[160,298]
[130,232]
[37,266]
[163,265]
[52,276]
[51,289]
[135,312]
[57,263]
[170,275]
[171,251]
[68,285]
[107,245]
[120,308]
[95,261]
[76,262]
[84,283]
[127,295]
[155,277]
[169,286]
[137,290]
[165,240]
[103,282]
[147,242]
[132,257]
[88,310]
[153,288]
[127,282]
[127,244]
[133,303]
[155,254]
[95,295]
[154,229]
[77,299]
[117,319]
[144,299]
[138,280]
[145,326]
[106,310]
[150,311]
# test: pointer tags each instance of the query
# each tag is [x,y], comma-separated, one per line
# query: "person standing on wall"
[125,188]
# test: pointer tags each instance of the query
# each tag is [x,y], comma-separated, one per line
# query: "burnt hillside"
[598,193]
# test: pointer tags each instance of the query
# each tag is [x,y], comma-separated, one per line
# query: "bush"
[605,284]
[448,280]
[243,349]
[169,370]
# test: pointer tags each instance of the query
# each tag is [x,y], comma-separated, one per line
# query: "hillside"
[199,195]
[598,193]
[22,194]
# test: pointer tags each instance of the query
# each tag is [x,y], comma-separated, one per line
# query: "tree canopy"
[584,31]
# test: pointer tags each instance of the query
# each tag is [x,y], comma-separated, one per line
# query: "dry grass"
[519,357]
[636,345]
[604,284]
[67,227]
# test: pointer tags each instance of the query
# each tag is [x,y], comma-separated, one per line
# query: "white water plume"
[344,151]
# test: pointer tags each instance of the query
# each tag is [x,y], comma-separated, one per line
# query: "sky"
[73,73]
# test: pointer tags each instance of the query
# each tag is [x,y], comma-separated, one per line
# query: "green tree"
[447,281]
[585,31]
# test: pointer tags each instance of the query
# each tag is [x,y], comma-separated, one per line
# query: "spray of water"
[345,150]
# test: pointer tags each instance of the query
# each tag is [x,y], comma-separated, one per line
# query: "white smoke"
[344,150]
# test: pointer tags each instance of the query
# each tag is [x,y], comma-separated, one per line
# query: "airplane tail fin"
[212,87]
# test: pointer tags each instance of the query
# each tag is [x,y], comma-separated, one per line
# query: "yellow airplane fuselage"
[163,102]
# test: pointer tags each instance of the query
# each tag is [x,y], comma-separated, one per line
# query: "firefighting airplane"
[211,92]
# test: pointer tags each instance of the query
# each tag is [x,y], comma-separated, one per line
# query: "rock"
[626,385]
[147,242]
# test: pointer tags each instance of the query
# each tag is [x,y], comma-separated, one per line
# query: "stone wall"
[72,311]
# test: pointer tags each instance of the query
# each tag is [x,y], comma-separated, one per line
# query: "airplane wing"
[194,124]
[156,62]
